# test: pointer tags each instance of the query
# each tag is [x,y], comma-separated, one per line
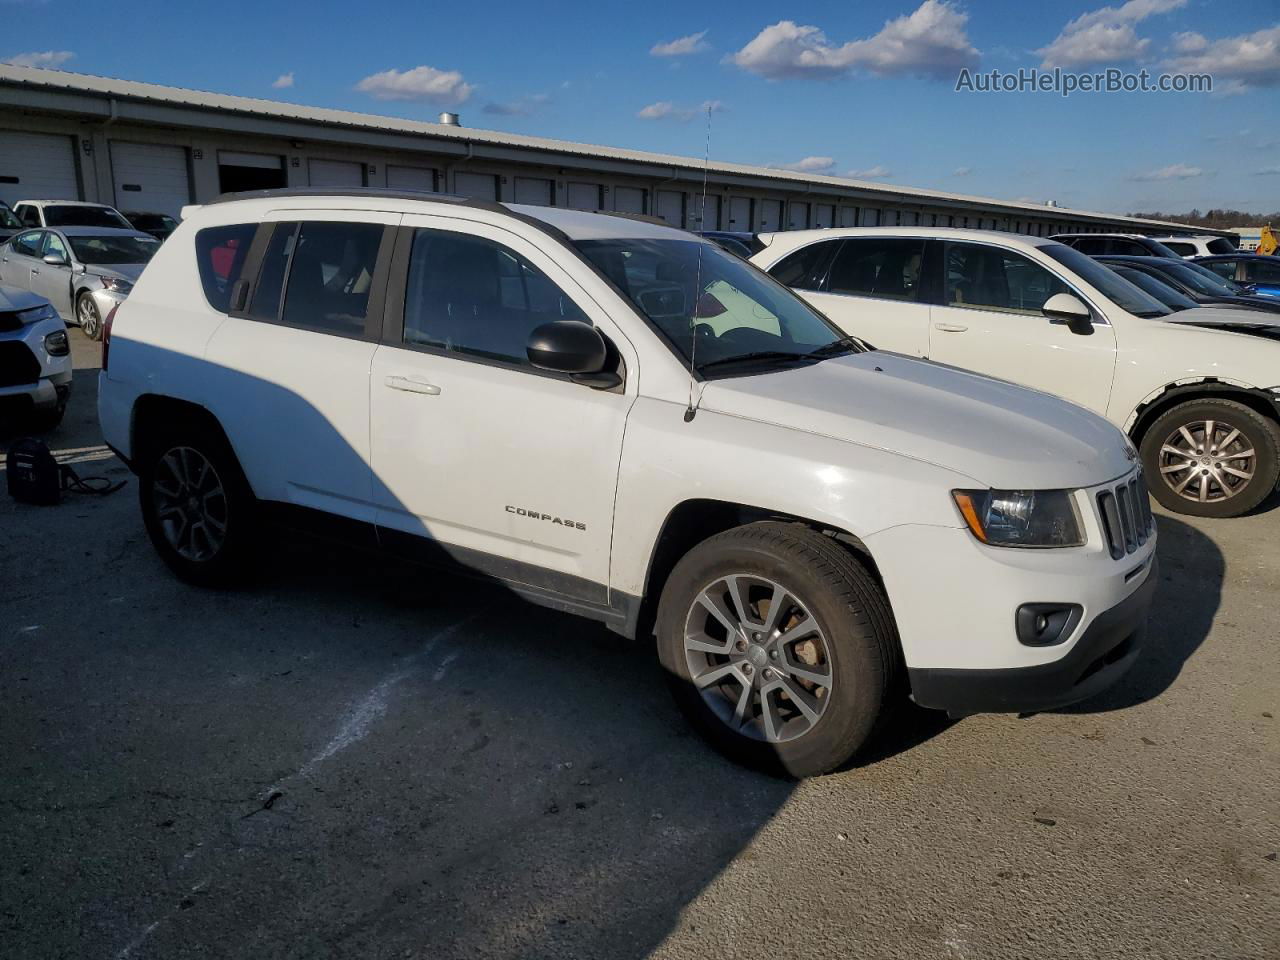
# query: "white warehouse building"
[151,148]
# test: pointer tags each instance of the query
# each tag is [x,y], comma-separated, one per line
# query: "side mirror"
[572,347]
[1065,308]
[55,259]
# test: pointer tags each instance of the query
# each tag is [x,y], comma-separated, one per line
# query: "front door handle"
[35,273]
[950,327]
[412,385]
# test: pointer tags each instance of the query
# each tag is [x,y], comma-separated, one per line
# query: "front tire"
[780,648]
[197,506]
[88,317]
[1211,458]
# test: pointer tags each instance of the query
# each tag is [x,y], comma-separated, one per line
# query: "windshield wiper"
[849,344]
[758,356]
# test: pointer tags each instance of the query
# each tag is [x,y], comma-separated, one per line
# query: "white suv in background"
[621,420]
[1198,245]
[1197,390]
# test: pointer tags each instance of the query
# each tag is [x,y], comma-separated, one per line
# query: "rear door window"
[220,254]
[1261,271]
[887,268]
[800,269]
[330,277]
[1181,249]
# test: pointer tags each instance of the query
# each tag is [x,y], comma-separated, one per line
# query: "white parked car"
[1198,245]
[507,392]
[69,213]
[35,361]
[1198,391]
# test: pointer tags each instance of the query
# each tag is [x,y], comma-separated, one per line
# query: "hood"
[1000,434]
[1232,319]
[123,271]
[1263,304]
[12,299]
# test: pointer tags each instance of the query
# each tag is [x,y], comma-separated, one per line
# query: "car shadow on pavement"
[1186,601]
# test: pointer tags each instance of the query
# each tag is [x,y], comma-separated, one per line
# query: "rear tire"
[197,506]
[1211,458]
[825,689]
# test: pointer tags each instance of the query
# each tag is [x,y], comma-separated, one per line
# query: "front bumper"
[49,385]
[1101,655]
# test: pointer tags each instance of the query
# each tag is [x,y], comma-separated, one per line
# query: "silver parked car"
[83,271]
[35,360]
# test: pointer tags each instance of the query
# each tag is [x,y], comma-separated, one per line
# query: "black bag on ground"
[33,474]
[35,477]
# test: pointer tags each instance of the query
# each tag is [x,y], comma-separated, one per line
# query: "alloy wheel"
[190,504]
[1207,461]
[87,314]
[758,657]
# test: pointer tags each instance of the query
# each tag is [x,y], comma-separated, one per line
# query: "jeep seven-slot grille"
[1126,516]
[18,365]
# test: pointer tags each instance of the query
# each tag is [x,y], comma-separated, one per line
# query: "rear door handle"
[412,385]
[950,327]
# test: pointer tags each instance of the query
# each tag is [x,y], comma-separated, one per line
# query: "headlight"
[36,314]
[1021,518]
[116,285]
[56,345]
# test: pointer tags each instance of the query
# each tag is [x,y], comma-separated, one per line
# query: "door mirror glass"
[55,259]
[1068,309]
[567,346]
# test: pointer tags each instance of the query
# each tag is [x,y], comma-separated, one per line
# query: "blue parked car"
[1261,273]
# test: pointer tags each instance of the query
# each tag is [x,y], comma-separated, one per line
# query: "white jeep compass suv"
[1197,390]
[621,420]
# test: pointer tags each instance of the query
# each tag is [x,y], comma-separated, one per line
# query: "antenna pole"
[697,287]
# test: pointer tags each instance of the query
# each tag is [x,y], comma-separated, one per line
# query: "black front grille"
[1127,522]
[9,321]
[18,365]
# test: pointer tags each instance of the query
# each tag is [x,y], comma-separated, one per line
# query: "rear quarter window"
[220,255]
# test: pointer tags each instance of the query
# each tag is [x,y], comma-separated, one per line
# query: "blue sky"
[844,88]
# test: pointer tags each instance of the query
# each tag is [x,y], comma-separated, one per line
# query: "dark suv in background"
[1115,245]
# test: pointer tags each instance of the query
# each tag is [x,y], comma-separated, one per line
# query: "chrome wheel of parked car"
[88,318]
[1207,461]
[758,657]
[190,504]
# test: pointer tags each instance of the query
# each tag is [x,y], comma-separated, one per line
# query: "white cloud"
[1268,171]
[284,81]
[931,41]
[444,87]
[48,59]
[521,107]
[683,47]
[878,172]
[1189,42]
[666,110]
[809,165]
[962,171]
[1105,36]
[1177,171]
[1249,60]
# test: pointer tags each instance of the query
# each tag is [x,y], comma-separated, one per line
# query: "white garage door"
[848,216]
[797,216]
[480,186]
[770,215]
[823,215]
[708,219]
[628,199]
[671,207]
[583,196]
[150,177]
[336,173]
[739,214]
[37,166]
[411,178]
[536,191]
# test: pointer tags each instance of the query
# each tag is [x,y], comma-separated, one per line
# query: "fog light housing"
[1046,624]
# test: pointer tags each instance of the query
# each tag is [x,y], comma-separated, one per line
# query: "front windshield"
[7,219]
[714,307]
[1115,288]
[103,250]
[1170,297]
[70,215]
[1203,280]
